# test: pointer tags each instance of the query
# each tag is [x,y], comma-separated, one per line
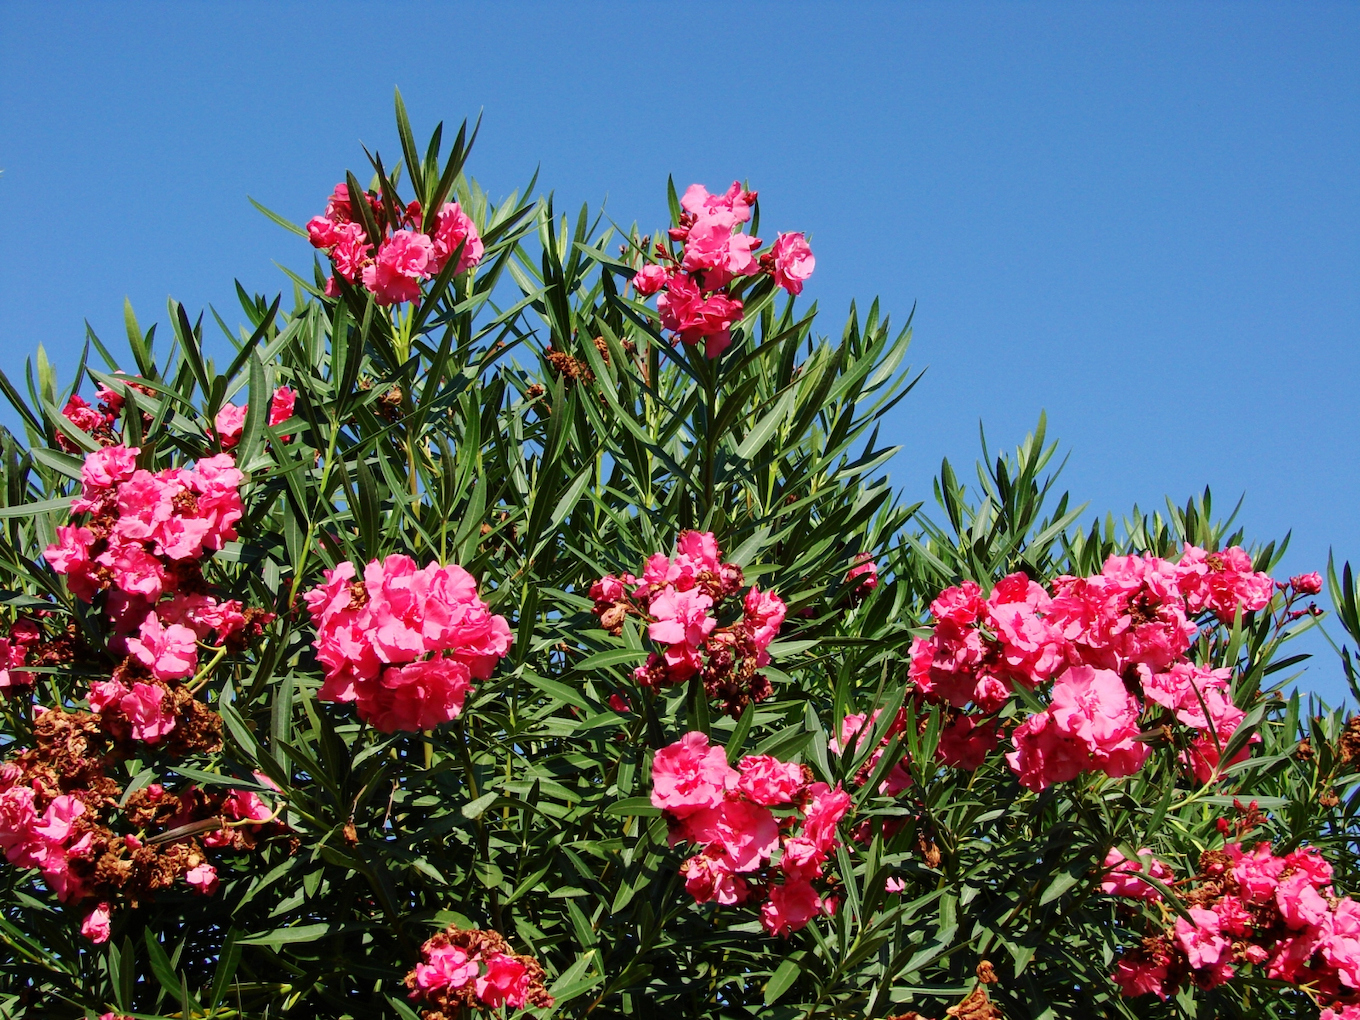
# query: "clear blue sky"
[1142,218]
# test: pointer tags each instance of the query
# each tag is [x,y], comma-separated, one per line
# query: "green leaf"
[783,978]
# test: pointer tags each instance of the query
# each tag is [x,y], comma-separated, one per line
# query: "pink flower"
[203,878]
[865,567]
[1338,939]
[230,422]
[713,249]
[698,202]
[1094,707]
[769,781]
[1121,881]
[103,470]
[104,693]
[964,744]
[447,967]
[246,805]
[506,982]
[1045,754]
[650,279]
[96,925]
[1306,584]
[711,878]
[747,833]
[1201,940]
[135,571]
[1183,689]
[1299,902]
[323,232]
[824,811]
[1222,582]
[146,710]
[683,623]
[764,614]
[1138,976]
[417,696]
[790,907]
[70,555]
[689,775]
[894,885]
[1257,872]
[793,262]
[619,703]
[693,317]
[281,406]
[452,228]
[352,253]
[403,261]
[169,652]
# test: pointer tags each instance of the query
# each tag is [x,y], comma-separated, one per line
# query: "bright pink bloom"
[824,811]
[693,317]
[619,703]
[169,652]
[417,696]
[1306,584]
[352,253]
[747,833]
[505,983]
[894,885]
[764,614]
[146,710]
[452,228]
[70,555]
[203,878]
[711,878]
[96,926]
[447,967]
[965,745]
[403,261]
[713,249]
[281,405]
[1299,902]
[1222,582]
[864,567]
[793,262]
[689,775]
[102,471]
[683,623]
[650,279]
[769,781]
[1093,706]
[135,571]
[735,200]
[1121,881]
[1137,976]
[1201,940]
[790,907]
[230,422]
[1257,872]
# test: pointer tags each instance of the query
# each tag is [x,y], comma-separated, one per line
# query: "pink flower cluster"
[404,643]
[1110,643]
[97,422]
[745,846]
[696,293]
[404,256]
[43,837]
[231,419]
[866,570]
[681,600]
[472,969]
[1274,912]
[142,542]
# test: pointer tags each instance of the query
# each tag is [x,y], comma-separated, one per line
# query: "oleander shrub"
[523,620]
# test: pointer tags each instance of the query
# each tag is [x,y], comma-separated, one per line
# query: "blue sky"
[1142,218]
